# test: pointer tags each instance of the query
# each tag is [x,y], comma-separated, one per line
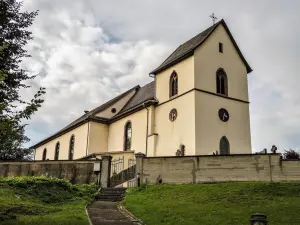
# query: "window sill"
[222,95]
[173,96]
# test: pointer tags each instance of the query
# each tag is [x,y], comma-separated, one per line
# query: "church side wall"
[181,131]
[185,72]
[208,60]
[210,129]
[98,135]
[80,134]
[116,132]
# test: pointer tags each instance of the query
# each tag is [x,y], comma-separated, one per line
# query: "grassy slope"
[44,201]
[211,204]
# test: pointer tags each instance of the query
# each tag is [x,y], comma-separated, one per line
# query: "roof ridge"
[187,48]
[113,100]
[90,114]
[132,97]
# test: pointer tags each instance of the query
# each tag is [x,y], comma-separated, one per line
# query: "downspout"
[147,127]
[87,139]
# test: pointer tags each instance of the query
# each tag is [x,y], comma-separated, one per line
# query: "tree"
[291,154]
[13,109]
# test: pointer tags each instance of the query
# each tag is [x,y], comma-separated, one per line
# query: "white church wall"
[107,113]
[116,132]
[181,131]
[98,137]
[208,60]
[64,140]
[185,72]
[210,129]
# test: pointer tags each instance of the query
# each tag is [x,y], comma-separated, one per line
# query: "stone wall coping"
[196,156]
[48,161]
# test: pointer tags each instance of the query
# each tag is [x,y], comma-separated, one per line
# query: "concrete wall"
[202,169]
[80,147]
[79,172]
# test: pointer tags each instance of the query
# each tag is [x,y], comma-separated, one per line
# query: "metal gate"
[131,182]
[117,167]
[120,175]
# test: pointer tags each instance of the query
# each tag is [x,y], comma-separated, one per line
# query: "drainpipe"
[87,139]
[147,127]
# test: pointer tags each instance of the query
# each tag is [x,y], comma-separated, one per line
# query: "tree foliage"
[291,154]
[14,35]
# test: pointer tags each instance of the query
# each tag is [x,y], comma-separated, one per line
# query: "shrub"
[50,189]
[291,154]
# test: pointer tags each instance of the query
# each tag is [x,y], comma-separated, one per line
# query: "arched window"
[71,147]
[127,136]
[44,154]
[173,84]
[222,83]
[56,155]
[224,146]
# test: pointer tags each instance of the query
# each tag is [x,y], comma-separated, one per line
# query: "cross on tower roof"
[213,17]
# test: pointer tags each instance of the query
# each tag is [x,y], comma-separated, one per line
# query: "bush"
[50,189]
[291,154]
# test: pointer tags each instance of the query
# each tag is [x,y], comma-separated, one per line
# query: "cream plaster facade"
[107,113]
[80,148]
[197,125]
[186,79]
[139,126]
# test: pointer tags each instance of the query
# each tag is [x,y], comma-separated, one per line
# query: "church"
[198,101]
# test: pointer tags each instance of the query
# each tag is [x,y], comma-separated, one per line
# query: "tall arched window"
[44,154]
[71,147]
[127,136]
[224,146]
[56,155]
[222,83]
[173,84]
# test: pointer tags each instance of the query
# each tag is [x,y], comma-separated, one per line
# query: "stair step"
[115,189]
[111,194]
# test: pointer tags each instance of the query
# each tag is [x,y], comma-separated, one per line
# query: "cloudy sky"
[87,51]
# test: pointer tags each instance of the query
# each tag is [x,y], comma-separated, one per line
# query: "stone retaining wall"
[205,169]
[78,172]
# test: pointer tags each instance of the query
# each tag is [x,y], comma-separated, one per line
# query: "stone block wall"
[77,172]
[206,169]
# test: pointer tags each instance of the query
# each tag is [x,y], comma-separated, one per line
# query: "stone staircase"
[111,194]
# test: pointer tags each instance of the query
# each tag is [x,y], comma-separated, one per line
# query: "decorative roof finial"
[213,17]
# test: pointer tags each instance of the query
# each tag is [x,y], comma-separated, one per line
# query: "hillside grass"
[211,204]
[43,201]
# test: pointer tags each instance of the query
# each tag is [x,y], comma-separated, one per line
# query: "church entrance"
[224,146]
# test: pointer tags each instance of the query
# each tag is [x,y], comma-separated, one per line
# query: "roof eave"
[94,119]
[191,52]
[158,70]
[133,110]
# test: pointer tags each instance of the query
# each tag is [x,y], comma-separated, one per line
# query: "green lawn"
[41,201]
[214,204]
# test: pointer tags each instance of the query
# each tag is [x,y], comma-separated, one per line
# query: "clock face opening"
[223,115]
